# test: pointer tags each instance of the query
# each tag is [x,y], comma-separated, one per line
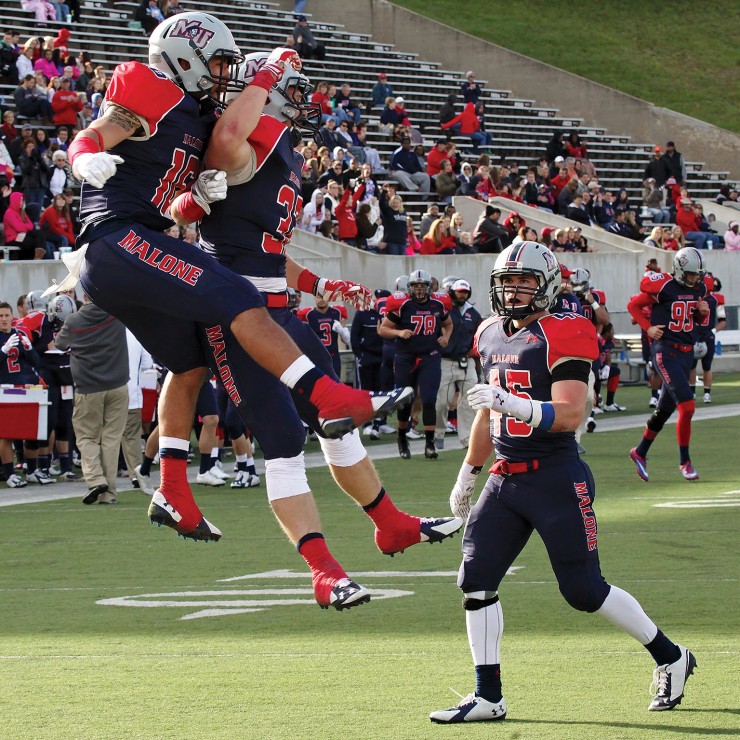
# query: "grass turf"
[72,667]
[678,55]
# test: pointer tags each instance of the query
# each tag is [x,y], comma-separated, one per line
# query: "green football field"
[112,628]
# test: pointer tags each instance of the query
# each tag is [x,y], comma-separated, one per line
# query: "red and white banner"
[23,412]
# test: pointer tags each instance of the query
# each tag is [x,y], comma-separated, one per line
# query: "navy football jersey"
[424,320]
[674,306]
[381,306]
[367,344]
[18,367]
[587,310]
[249,230]
[523,364]
[321,324]
[567,303]
[157,165]
[709,322]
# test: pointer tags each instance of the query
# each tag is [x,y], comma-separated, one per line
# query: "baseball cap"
[26,127]
[441,141]
[64,79]
[564,271]
[301,18]
[658,149]
[382,75]
[548,230]
[670,181]
[671,143]
[559,159]
[462,285]
[399,99]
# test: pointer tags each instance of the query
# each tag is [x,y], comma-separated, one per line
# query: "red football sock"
[325,570]
[683,425]
[176,489]
[395,529]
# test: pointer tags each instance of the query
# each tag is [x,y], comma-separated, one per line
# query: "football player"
[705,339]
[248,232]
[144,148]
[536,367]
[679,306]
[328,324]
[421,326]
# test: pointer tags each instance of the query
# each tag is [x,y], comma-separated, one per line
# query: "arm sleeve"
[635,307]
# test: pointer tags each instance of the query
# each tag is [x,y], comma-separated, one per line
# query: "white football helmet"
[60,306]
[525,258]
[580,279]
[402,284]
[688,261]
[289,99]
[447,281]
[182,46]
[420,285]
[36,301]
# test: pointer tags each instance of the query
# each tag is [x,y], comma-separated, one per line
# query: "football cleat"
[374,433]
[40,477]
[688,472]
[219,472]
[144,481]
[591,425]
[615,407]
[653,402]
[416,530]
[54,468]
[450,428]
[472,708]
[596,410]
[245,480]
[161,511]
[341,408]
[430,452]
[387,429]
[669,681]
[107,498]
[403,448]
[413,434]
[581,449]
[707,398]
[208,479]
[15,481]
[341,593]
[641,463]
[71,475]
[95,493]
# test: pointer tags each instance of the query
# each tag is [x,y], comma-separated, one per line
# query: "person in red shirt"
[439,240]
[19,231]
[56,219]
[469,126]
[344,212]
[690,223]
[439,152]
[66,104]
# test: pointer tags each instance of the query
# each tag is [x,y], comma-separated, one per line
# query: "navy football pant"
[424,374]
[206,403]
[556,502]
[265,405]
[370,376]
[161,288]
[386,367]
[674,367]
[230,419]
[706,361]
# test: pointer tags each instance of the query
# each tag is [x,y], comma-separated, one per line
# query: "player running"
[248,232]
[537,367]
[143,150]
[678,309]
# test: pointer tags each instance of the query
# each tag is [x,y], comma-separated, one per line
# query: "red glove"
[273,69]
[354,294]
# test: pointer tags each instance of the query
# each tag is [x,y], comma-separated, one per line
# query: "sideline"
[604,423]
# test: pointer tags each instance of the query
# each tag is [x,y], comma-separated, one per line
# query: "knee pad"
[343,452]
[586,597]
[479,600]
[286,477]
[657,420]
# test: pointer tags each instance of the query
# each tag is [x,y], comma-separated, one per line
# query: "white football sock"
[624,611]
[485,627]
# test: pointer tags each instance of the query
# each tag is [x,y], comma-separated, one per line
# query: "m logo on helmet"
[550,260]
[683,260]
[192,30]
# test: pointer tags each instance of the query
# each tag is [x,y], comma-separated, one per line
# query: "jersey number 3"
[287,199]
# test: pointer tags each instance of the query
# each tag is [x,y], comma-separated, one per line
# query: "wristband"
[188,208]
[543,416]
[468,471]
[308,282]
[85,145]
[596,305]
[263,79]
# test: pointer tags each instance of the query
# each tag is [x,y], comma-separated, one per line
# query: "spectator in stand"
[726,194]
[345,214]
[394,222]
[577,149]
[513,222]
[560,241]
[489,236]
[314,212]
[406,170]
[525,234]
[602,209]
[656,238]
[174,8]
[35,172]
[9,53]
[567,194]
[85,117]
[652,198]
[31,104]
[43,11]
[657,168]
[690,224]
[8,130]
[470,126]
[674,239]
[556,148]
[732,237]
[329,136]
[393,116]
[331,197]
[545,197]
[465,180]
[366,154]
[675,163]
[99,362]
[57,224]
[96,87]
[447,113]
[623,202]
[367,228]
[619,226]
[531,189]
[66,104]
[305,43]
[61,173]
[470,89]
[413,245]
[437,154]
[446,182]
[381,91]
[344,101]
[577,210]
[16,149]
[20,231]
[439,240]
[546,237]
[431,215]
[48,65]
[61,43]
[24,63]
[342,131]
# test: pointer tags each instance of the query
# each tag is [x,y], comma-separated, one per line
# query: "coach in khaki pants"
[99,364]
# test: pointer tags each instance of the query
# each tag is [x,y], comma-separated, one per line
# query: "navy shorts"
[161,288]
[556,501]
[706,361]
[265,404]
[674,366]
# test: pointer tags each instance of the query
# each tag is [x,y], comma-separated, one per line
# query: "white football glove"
[483,396]
[96,168]
[25,342]
[462,491]
[604,372]
[209,187]
[342,331]
[12,342]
